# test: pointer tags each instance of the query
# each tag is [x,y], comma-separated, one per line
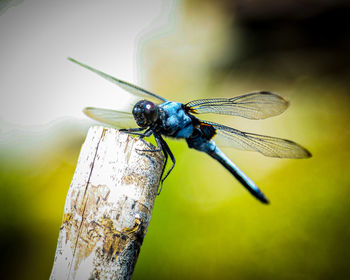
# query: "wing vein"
[256,105]
[266,145]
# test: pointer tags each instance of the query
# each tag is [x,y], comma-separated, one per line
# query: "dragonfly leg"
[159,144]
[166,151]
[154,150]
[132,129]
[148,133]
[151,150]
[135,131]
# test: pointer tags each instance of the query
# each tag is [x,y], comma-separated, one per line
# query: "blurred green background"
[204,224]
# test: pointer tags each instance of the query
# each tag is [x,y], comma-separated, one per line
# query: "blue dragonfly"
[151,114]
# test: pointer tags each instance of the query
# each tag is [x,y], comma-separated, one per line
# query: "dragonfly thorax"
[145,113]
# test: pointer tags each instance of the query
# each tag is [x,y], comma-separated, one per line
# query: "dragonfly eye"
[145,113]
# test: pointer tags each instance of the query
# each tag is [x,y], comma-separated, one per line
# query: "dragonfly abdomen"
[200,142]
[239,174]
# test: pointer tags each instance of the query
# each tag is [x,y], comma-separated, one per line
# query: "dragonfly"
[151,114]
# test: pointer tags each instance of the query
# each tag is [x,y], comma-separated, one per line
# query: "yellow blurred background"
[204,224]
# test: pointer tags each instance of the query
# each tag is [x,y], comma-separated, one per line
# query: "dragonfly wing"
[135,90]
[266,145]
[255,105]
[114,118]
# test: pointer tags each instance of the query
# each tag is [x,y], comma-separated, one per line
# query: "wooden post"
[108,207]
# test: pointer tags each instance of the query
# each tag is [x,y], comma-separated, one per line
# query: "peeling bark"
[108,207]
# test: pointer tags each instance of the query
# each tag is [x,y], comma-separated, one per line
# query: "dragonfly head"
[145,113]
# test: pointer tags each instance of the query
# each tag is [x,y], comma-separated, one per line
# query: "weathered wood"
[108,207]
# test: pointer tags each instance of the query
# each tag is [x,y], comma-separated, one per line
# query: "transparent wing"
[135,90]
[115,118]
[255,105]
[266,145]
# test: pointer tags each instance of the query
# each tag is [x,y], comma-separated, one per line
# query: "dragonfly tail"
[239,175]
